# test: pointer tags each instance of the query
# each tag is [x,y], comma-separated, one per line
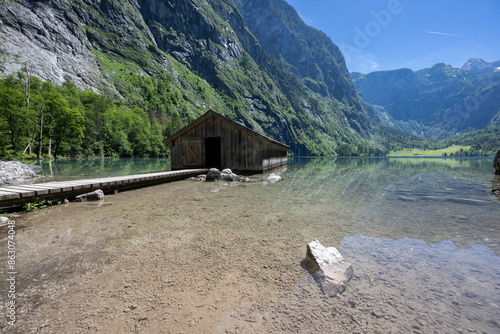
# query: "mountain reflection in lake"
[423,238]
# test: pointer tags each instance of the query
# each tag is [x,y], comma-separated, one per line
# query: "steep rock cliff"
[307,52]
[50,39]
[299,91]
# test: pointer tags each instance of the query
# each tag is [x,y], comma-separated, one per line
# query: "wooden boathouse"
[214,140]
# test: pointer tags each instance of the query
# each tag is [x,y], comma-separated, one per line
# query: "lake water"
[422,234]
[79,169]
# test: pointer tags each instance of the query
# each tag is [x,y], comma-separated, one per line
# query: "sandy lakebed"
[196,257]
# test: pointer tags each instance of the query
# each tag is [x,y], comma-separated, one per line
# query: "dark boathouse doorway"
[213,152]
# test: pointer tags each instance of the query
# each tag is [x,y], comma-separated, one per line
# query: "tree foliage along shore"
[39,119]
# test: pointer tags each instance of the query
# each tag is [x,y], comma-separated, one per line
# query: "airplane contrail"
[444,33]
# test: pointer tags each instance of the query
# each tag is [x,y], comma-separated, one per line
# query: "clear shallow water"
[422,235]
[426,199]
[429,237]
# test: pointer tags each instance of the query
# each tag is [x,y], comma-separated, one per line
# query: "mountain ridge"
[480,66]
[437,102]
[97,43]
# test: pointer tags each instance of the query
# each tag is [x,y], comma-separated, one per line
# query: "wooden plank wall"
[240,151]
[274,156]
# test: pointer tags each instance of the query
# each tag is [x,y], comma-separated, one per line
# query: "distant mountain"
[255,61]
[480,66]
[436,102]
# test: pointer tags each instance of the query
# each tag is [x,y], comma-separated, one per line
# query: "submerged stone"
[495,186]
[328,267]
[496,163]
[201,177]
[92,196]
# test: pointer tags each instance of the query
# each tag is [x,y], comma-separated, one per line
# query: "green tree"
[12,115]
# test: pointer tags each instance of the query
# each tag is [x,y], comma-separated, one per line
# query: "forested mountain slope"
[254,61]
[436,102]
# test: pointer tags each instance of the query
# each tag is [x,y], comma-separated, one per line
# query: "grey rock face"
[81,40]
[190,34]
[479,66]
[330,269]
[50,39]
[14,172]
[496,163]
[298,45]
[58,39]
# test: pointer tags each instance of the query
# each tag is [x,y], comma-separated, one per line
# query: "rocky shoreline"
[15,173]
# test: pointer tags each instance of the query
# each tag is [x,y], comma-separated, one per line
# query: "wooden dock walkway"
[13,196]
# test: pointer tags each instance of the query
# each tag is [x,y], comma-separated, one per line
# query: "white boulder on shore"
[273,178]
[328,267]
[15,173]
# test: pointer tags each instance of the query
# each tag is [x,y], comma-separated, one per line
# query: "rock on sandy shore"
[330,269]
[95,195]
[496,163]
[215,175]
[14,172]
[273,178]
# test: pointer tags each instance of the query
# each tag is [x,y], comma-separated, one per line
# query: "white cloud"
[358,60]
[444,33]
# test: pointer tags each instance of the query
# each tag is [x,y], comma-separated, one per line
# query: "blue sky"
[377,35]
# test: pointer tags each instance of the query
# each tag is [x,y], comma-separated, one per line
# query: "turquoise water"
[423,199]
[78,169]
[428,199]
[423,236]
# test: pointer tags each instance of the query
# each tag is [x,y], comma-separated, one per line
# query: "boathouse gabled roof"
[230,122]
